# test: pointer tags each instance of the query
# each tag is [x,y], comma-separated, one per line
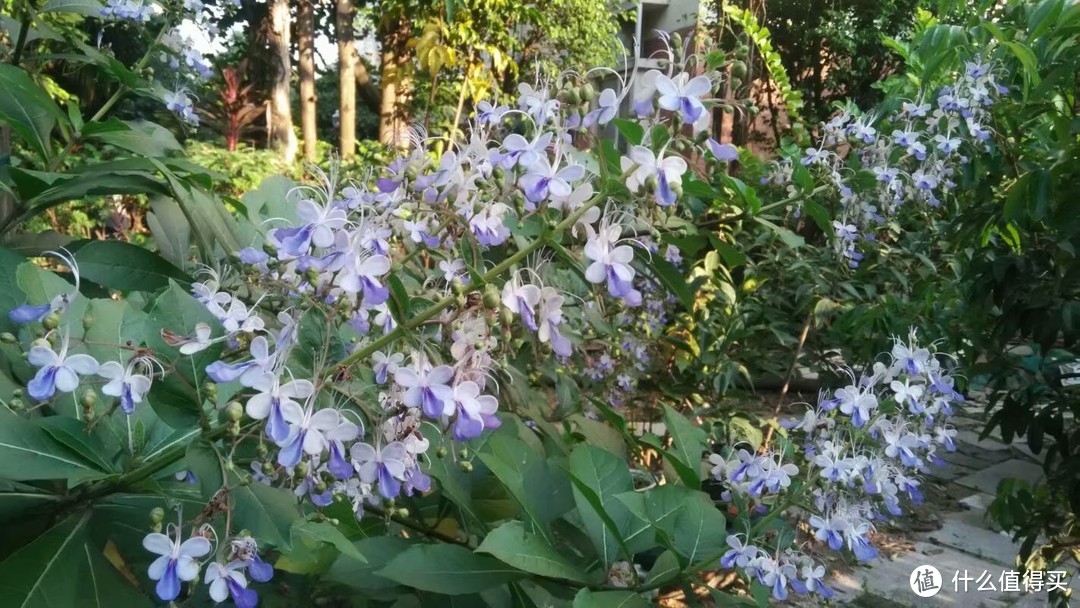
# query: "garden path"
[959,538]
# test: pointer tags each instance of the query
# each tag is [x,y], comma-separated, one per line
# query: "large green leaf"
[62,567]
[378,551]
[542,491]
[513,545]
[27,108]
[16,498]
[89,8]
[142,137]
[171,230]
[609,599]
[689,443]
[267,512]
[448,569]
[687,521]
[73,434]
[205,462]
[325,532]
[124,266]
[29,453]
[598,476]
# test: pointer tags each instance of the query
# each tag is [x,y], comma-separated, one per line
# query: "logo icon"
[925,581]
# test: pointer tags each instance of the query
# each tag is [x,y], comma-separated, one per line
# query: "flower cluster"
[178,562]
[911,157]
[864,446]
[177,49]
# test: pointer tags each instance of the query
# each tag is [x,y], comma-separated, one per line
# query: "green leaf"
[324,532]
[28,109]
[267,512]
[513,545]
[63,568]
[204,461]
[379,551]
[89,8]
[27,453]
[74,435]
[124,266]
[598,476]
[689,443]
[141,137]
[631,130]
[688,522]
[171,230]
[17,498]
[448,569]
[665,569]
[609,599]
[671,278]
[542,491]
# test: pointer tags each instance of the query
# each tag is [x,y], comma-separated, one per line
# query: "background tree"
[282,137]
[346,16]
[305,27]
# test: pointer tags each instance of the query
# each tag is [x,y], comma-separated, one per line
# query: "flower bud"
[312,276]
[320,487]
[491,297]
[233,429]
[506,317]
[261,450]
[234,411]
[157,515]
[270,250]
[738,69]
[466,466]
[87,322]
[89,399]
[464,453]
[16,405]
[8,338]
[210,389]
[51,321]
[52,339]
[301,470]
[588,91]
[402,512]
[651,184]
[441,452]
[267,468]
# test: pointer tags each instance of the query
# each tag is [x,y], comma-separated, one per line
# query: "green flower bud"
[8,338]
[441,452]
[588,91]
[51,321]
[464,453]
[738,69]
[492,299]
[234,411]
[312,276]
[157,515]
[267,468]
[402,512]
[16,405]
[261,450]
[301,470]
[87,322]
[89,399]
[466,466]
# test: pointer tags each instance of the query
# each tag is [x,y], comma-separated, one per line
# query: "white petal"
[196,546]
[157,567]
[40,356]
[66,379]
[156,542]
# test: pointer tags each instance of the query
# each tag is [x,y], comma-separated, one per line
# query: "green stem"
[793,198]
[447,301]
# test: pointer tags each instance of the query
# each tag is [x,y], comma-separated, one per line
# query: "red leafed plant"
[237,106]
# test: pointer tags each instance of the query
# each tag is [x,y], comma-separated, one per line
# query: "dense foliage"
[406,379]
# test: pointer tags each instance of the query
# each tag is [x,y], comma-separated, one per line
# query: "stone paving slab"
[889,578]
[972,437]
[978,502]
[980,460]
[975,540]
[987,479]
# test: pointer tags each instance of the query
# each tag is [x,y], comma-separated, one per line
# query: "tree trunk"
[346,15]
[396,82]
[305,25]
[280,122]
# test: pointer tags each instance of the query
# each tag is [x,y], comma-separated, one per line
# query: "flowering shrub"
[370,374]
